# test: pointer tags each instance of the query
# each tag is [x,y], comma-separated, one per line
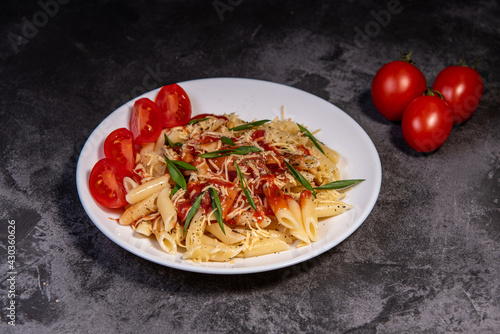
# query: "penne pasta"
[329,209]
[144,227]
[255,179]
[309,216]
[265,246]
[229,237]
[166,209]
[167,242]
[300,232]
[139,210]
[279,205]
[147,189]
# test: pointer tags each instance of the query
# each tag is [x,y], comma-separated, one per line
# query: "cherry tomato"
[394,86]
[106,184]
[119,146]
[175,105]
[145,121]
[462,87]
[426,123]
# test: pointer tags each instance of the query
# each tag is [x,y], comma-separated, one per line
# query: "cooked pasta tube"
[230,237]
[166,209]
[144,227]
[309,217]
[145,151]
[167,242]
[209,249]
[329,209]
[300,232]
[147,189]
[264,246]
[332,155]
[279,205]
[139,210]
[195,230]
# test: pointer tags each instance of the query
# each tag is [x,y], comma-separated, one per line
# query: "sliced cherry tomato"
[145,121]
[394,86]
[175,105]
[426,123]
[462,87]
[106,184]
[120,147]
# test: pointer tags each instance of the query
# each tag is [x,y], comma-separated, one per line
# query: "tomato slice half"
[175,105]
[106,184]
[120,147]
[145,121]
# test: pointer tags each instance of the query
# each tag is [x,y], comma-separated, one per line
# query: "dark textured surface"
[427,259]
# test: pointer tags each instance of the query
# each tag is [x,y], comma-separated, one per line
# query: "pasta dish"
[219,188]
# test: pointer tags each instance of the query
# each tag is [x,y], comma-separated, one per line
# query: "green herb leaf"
[174,190]
[215,154]
[175,173]
[197,120]
[310,136]
[227,141]
[244,187]
[249,125]
[216,205]
[300,178]
[242,150]
[184,165]
[340,184]
[170,143]
[192,211]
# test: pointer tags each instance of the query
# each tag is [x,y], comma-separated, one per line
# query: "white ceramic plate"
[251,100]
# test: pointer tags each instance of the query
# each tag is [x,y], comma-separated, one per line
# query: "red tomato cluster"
[171,108]
[399,92]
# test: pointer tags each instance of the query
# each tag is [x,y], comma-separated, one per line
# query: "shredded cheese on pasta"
[272,227]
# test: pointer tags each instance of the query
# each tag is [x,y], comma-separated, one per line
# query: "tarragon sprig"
[192,211]
[170,143]
[242,150]
[340,184]
[244,186]
[248,126]
[216,205]
[175,173]
[197,120]
[227,141]
[300,178]
[310,136]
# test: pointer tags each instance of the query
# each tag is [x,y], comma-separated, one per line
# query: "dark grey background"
[427,258]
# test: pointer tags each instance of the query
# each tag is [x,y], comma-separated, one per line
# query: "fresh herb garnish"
[216,154]
[340,184]
[216,205]
[175,173]
[197,120]
[192,211]
[249,125]
[174,190]
[227,141]
[170,143]
[184,165]
[242,150]
[310,136]
[245,187]
[300,178]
